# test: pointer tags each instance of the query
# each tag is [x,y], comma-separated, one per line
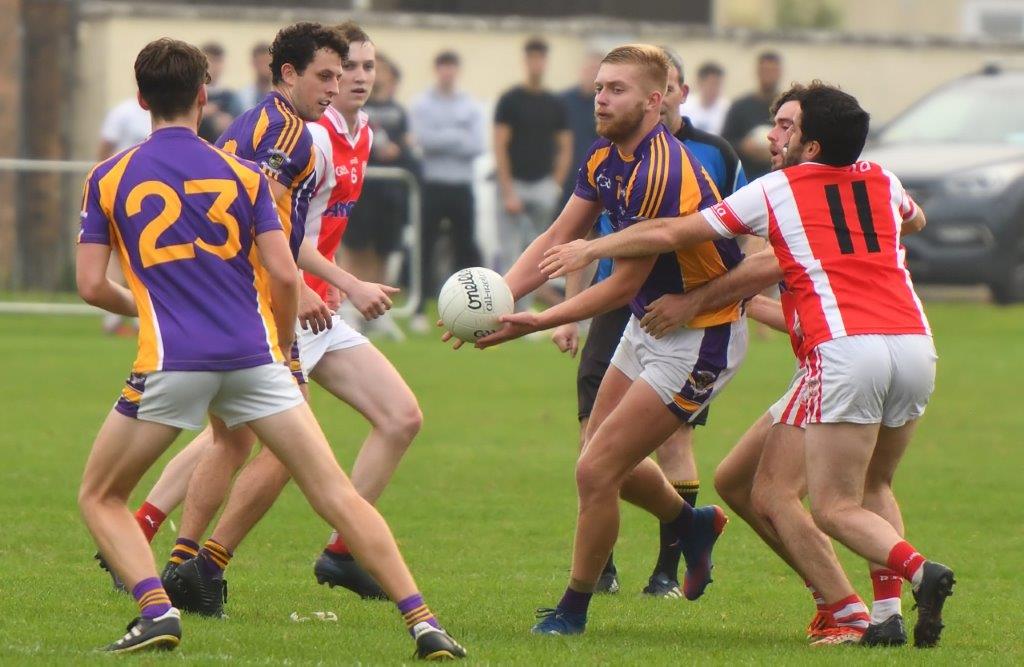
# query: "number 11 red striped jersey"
[836,233]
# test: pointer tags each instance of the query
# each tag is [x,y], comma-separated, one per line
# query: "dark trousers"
[454,203]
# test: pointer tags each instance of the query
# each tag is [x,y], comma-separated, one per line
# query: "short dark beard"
[791,158]
[621,129]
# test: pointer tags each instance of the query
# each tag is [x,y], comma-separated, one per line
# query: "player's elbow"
[915,224]
[90,288]
[285,278]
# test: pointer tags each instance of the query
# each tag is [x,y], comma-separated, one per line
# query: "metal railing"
[377,173]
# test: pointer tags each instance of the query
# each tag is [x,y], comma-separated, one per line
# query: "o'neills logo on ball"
[476,300]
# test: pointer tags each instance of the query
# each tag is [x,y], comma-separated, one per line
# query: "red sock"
[850,612]
[337,545]
[819,601]
[886,584]
[149,518]
[904,560]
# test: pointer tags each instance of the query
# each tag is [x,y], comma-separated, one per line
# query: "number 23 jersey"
[182,217]
[836,234]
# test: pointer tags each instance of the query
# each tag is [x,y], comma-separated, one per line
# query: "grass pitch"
[484,508]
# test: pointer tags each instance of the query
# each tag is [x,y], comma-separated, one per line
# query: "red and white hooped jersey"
[341,168]
[836,233]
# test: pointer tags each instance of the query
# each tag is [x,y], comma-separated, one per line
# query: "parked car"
[959,151]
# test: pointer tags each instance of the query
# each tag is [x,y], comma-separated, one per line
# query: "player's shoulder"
[104,167]
[600,145]
[233,160]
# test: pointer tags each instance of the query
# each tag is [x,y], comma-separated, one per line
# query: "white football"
[472,300]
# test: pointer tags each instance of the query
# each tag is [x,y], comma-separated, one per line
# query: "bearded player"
[634,171]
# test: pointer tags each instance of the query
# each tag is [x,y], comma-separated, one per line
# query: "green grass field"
[484,508]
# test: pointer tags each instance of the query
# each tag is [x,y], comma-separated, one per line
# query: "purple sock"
[575,602]
[152,598]
[681,524]
[415,611]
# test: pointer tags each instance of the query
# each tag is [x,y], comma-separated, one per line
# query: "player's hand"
[371,299]
[333,299]
[513,204]
[449,336]
[567,338]
[668,313]
[566,258]
[313,312]
[516,325]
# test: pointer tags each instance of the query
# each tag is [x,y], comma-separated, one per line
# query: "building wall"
[886,77]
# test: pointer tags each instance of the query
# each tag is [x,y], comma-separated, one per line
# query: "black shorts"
[605,332]
[378,219]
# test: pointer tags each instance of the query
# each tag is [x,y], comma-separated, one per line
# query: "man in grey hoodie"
[448,126]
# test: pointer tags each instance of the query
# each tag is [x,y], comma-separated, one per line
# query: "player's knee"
[592,479]
[729,487]
[94,495]
[401,424]
[828,517]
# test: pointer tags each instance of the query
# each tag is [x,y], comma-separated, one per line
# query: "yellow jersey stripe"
[599,156]
[664,169]
[262,123]
[292,130]
[652,172]
[689,189]
[150,357]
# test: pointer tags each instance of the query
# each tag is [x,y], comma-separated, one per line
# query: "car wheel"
[1010,289]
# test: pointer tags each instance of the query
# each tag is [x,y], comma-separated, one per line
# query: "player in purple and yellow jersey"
[306,66]
[634,171]
[214,285]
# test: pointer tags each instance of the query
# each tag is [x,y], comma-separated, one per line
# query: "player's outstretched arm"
[609,294]
[276,257]
[93,285]
[371,299]
[651,237]
[768,312]
[567,336]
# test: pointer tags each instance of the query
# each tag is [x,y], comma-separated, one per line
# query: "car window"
[988,110]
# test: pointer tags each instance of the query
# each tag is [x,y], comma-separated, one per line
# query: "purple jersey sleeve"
[95,225]
[285,151]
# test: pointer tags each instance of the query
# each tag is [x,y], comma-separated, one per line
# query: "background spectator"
[579,110]
[249,96]
[707,107]
[448,126]
[532,151]
[124,126]
[375,227]
[746,124]
[222,104]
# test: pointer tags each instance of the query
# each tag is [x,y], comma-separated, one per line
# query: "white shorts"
[313,347]
[870,379]
[789,409]
[687,367]
[183,398]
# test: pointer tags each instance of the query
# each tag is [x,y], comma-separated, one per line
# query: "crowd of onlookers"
[539,136]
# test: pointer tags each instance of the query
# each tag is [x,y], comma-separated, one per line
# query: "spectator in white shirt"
[124,126]
[707,109]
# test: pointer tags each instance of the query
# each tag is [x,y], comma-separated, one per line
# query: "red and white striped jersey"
[836,233]
[341,168]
